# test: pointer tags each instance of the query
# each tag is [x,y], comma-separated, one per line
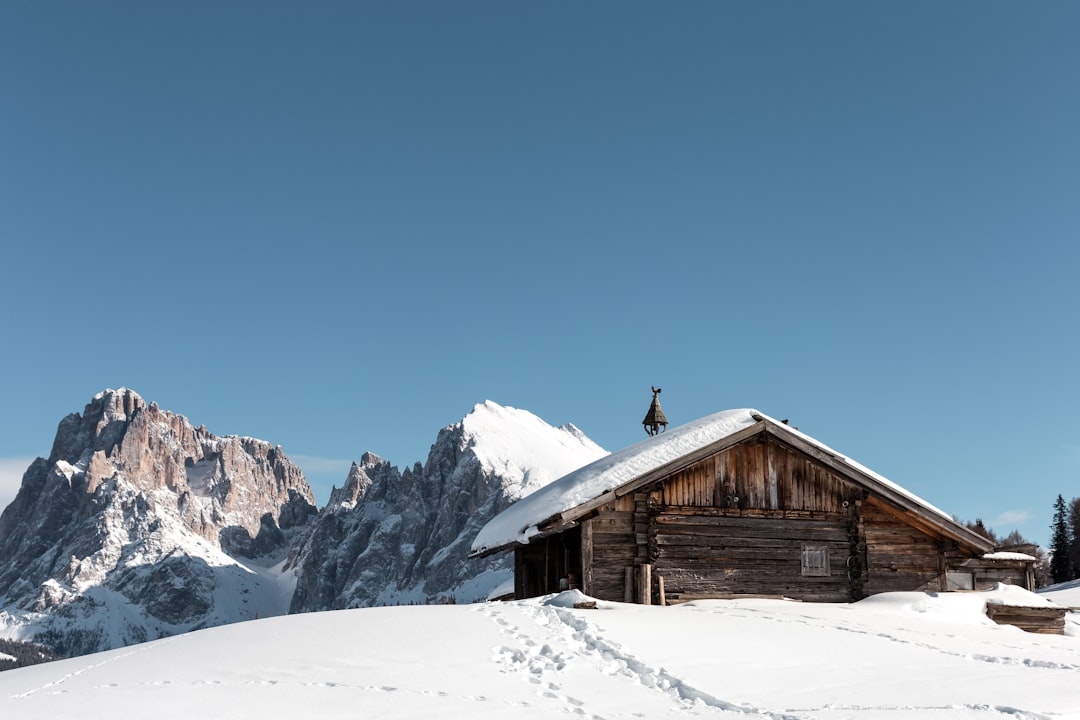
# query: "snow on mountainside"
[393,536]
[139,526]
[524,451]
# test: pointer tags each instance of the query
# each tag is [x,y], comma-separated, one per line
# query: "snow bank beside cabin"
[518,522]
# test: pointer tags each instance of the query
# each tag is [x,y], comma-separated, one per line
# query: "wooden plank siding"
[753,555]
[985,574]
[901,557]
[760,476]
[1044,620]
[737,522]
[613,550]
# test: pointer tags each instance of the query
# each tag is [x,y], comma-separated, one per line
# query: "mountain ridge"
[140,525]
[391,536]
[131,527]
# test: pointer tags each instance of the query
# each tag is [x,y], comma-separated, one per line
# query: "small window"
[815,560]
[959,580]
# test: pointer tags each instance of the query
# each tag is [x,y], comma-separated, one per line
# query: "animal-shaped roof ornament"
[655,421]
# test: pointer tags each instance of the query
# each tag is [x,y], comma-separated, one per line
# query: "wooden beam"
[587,557]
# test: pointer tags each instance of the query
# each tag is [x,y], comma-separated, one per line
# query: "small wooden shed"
[737,504]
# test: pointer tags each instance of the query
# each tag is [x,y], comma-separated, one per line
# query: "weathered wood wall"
[608,548]
[758,476]
[1044,620]
[900,557]
[986,574]
[739,521]
[699,551]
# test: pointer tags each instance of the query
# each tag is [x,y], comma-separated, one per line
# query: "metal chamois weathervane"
[655,421]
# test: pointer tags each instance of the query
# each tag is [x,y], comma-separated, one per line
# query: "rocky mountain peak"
[393,537]
[99,428]
[370,459]
[357,483]
[135,503]
[140,525]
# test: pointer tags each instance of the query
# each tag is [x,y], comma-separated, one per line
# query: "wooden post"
[645,587]
[943,571]
[547,567]
[660,586]
[587,557]
[520,575]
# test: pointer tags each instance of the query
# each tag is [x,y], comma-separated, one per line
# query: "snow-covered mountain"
[139,526]
[390,537]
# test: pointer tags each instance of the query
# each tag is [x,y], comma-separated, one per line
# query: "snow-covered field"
[902,655]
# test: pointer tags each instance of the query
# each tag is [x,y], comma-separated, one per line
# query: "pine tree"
[1060,562]
[980,527]
[1074,536]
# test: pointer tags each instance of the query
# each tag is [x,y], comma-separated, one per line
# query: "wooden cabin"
[737,504]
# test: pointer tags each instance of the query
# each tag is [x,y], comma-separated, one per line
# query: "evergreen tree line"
[1065,540]
[25,653]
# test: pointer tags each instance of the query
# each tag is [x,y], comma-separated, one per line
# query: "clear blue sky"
[337,226]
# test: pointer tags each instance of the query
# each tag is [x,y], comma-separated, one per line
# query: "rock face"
[139,525]
[391,537]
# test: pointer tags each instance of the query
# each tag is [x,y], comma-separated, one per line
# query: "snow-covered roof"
[522,521]
[1009,556]
[518,523]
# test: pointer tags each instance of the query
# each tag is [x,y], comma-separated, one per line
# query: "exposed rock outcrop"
[139,525]
[391,536]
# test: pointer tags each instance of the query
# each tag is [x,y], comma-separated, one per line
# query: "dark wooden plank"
[587,557]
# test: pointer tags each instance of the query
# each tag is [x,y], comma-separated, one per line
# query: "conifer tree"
[1060,563]
[1074,536]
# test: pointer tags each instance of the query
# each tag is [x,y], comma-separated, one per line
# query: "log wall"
[738,522]
[608,548]
[702,553]
[1044,620]
[900,557]
[763,518]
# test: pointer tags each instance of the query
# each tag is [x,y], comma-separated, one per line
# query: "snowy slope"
[393,537]
[904,656]
[1066,593]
